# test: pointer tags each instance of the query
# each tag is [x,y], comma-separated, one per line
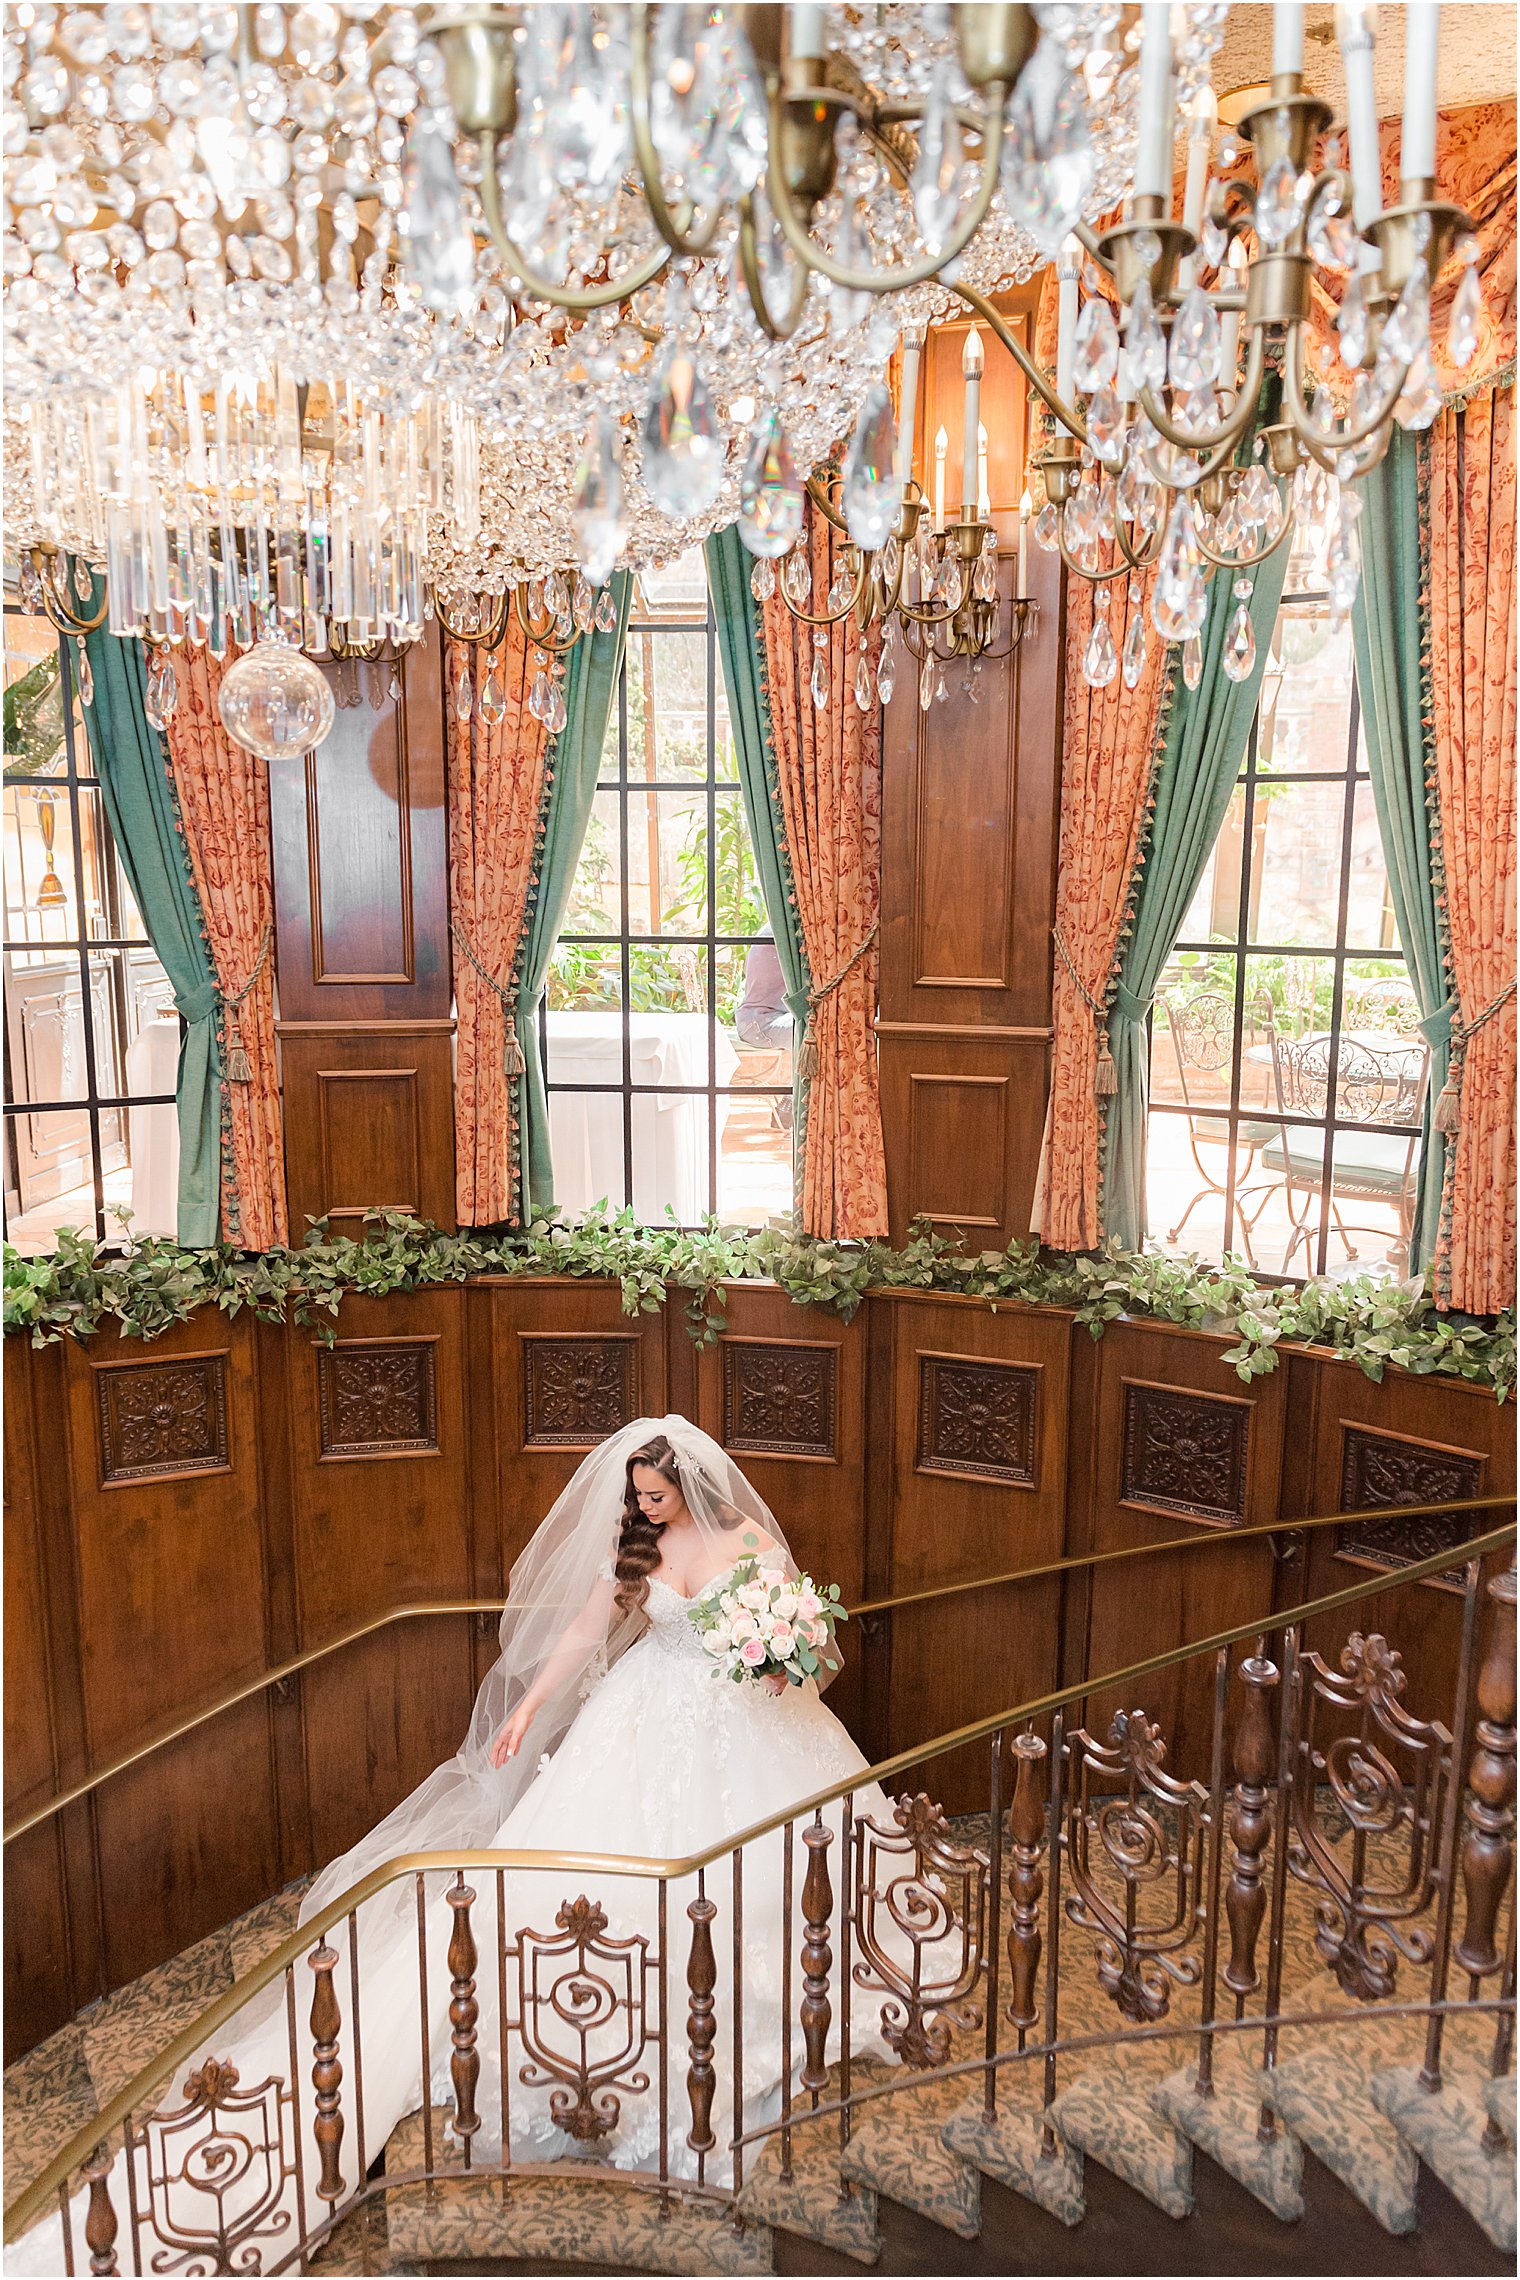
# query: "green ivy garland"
[154,1284]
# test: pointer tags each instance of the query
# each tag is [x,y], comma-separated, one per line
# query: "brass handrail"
[300,1942]
[1198,1540]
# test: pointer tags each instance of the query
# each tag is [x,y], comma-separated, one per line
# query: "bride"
[603,1727]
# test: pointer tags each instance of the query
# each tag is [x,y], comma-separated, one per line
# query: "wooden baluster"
[327,2072]
[701,2025]
[100,2218]
[1488,1854]
[1245,1897]
[817,1957]
[464,2013]
[1026,1880]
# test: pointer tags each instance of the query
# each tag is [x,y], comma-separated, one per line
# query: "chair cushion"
[1362,1159]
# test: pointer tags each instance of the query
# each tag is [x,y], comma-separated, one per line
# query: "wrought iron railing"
[1198,1540]
[901,1939]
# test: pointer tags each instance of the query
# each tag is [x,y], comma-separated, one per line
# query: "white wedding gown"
[667,1757]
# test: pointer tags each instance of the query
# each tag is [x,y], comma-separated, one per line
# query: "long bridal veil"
[559,1596]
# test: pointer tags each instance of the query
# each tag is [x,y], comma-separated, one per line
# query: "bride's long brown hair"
[638,1551]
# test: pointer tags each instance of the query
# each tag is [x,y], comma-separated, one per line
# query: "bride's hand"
[510,1740]
[775,1683]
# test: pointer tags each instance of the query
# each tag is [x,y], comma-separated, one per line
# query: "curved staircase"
[1347,2097]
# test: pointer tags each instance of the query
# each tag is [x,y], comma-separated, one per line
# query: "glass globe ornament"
[275,702]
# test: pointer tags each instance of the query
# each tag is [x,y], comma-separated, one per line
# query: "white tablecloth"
[153,1133]
[669,1128]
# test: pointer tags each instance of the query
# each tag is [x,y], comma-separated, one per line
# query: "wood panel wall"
[185,1515]
[360,849]
[970,810]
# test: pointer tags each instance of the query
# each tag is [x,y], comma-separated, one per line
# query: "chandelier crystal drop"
[275,702]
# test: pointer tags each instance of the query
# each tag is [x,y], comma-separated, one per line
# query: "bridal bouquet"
[762,1623]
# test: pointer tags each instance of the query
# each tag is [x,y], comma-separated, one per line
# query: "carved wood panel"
[1386,1468]
[977,1419]
[378,1397]
[160,1418]
[578,1390]
[1185,1452]
[780,1400]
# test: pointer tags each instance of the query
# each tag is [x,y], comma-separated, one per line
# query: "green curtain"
[1385,625]
[144,818]
[741,645]
[1202,745]
[591,679]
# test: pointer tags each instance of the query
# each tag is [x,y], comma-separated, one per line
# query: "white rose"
[784,1603]
[743,1627]
[755,1595]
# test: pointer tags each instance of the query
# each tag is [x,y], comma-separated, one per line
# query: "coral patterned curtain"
[497,779]
[223,798]
[1470,503]
[828,791]
[1109,745]
[1475,169]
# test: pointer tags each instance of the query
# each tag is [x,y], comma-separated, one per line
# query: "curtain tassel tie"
[1446,1116]
[807,1059]
[239,1068]
[512,1060]
[1105,1075]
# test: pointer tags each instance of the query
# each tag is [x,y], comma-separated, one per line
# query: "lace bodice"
[671,1619]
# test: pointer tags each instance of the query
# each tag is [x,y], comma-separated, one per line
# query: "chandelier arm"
[754,285]
[918,272]
[930,617]
[580,299]
[545,641]
[61,615]
[828,617]
[1236,422]
[1137,557]
[1094,577]
[676,233]
[1092,245]
[817,491]
[1307,428]
[1069,417]
[1233,563]
[486,637]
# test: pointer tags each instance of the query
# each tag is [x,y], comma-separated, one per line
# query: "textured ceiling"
[1477,53]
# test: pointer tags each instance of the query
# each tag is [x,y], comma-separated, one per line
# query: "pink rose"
[783,1639]
[752,1651]
[809,1604]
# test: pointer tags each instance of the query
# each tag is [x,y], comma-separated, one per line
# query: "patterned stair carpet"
[57,2088]
[1349,2095]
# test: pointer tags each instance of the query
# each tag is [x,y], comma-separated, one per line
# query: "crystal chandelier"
[929,584]
[1152,402]
[315,315]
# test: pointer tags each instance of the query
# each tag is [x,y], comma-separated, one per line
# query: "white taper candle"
[971,371]
[1022,588]
[1356,30]
[941,451]
[1153,156]
[1287,37]
[1422,34]
[913,349]
[1067,265]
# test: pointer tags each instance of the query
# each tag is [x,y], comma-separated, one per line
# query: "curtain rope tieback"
[807,1065]
[239,1066]
[512,1059]
[1446,1116]
[1105,1076]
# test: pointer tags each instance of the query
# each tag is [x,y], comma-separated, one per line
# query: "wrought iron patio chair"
[1202,1033]
[1372,1088]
